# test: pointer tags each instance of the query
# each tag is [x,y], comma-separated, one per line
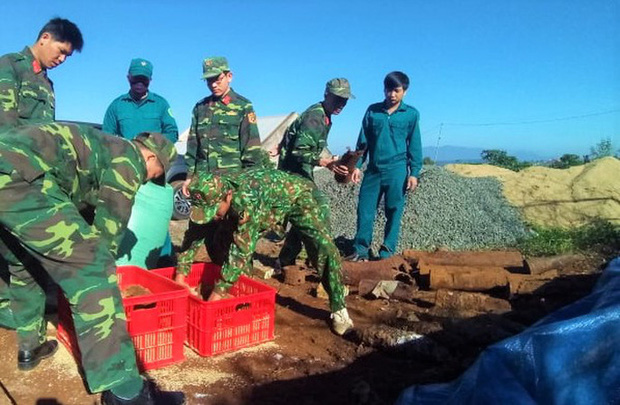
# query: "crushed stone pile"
[558,197]
[447,211]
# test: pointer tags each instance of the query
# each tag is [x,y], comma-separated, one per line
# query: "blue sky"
[535,75]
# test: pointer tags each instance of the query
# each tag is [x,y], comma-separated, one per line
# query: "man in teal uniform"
[27,96]
[223,137]
[300,152]
[260,200]
[47,173]
[141,110]
[390,135]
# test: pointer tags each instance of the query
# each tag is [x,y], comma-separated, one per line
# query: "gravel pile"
[447,211]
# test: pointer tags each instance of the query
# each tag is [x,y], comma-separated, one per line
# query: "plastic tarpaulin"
[571,356]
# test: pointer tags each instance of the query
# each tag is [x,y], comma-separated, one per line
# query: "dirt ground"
[395,344]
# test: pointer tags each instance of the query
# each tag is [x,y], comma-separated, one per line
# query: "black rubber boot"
[29,359]
[149,395]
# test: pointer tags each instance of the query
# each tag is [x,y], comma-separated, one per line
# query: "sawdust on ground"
[558,197]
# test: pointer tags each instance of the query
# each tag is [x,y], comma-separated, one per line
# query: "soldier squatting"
[50,172]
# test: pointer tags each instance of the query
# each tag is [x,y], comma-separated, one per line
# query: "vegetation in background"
[599,235]
[501,158]
[602,149]
[428,161]
[567,160]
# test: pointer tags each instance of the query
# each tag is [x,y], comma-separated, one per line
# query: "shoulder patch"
[252,117]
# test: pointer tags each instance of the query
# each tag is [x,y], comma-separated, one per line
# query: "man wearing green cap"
[47,174]
[138,111]
[223,137]
[256,209]
[300,151]
[27,95]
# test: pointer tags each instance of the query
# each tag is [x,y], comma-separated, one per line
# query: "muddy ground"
[306,363]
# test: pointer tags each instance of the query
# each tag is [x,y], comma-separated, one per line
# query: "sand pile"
[558,197]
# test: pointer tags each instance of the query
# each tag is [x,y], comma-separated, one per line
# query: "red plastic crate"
[229,324]
[156,322]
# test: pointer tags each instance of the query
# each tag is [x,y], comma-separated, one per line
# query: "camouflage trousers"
[39,223]
[309,219]
[293,241]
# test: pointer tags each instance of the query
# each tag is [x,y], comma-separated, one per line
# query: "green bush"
[599,235]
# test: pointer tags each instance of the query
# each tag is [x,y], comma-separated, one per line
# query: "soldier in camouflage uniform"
[223,137]
[47,173]
[300,151]
[27,96]
[26,93]
[257,209]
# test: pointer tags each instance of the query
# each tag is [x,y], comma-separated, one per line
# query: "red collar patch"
[36,67]
[226,99]
[326,120]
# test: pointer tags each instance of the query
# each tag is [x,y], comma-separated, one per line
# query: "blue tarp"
[571,356]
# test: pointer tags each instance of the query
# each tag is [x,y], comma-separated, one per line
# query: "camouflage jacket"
[304,141]
[94,169]
[263,198]
[223,135]
[26,93]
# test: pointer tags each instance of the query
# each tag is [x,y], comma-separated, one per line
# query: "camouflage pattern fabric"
[223,135]
[26,96]
[300,152]
[26,93]
[304,141]
[47,173]
[264,199]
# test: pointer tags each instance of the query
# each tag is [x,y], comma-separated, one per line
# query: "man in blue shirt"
[390,136]
[137,111]
[140,110]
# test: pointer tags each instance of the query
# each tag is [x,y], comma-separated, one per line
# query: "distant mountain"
[451,154]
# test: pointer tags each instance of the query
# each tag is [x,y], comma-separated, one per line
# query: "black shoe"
[354,257]
[29,359]
[149,395]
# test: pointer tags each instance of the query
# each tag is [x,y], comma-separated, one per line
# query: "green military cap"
[206,191]
[162,147]
[141,67]
[340,87]
[214,66]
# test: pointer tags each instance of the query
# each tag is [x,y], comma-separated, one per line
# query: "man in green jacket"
[223,137]
[47,173]
[300,152]
[260,200]
[390,136]
[27,96]
[26,92]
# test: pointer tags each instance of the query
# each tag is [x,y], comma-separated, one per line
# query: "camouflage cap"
[162,147]
[340,87]
[205,193]
[214,66]
[141,67]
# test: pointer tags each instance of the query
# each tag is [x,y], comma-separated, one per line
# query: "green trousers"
[39,223]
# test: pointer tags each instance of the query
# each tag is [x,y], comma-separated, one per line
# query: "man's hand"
[412,183]
[356,176]
[275,151]
[217,296]
[185,187]
[180,278]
